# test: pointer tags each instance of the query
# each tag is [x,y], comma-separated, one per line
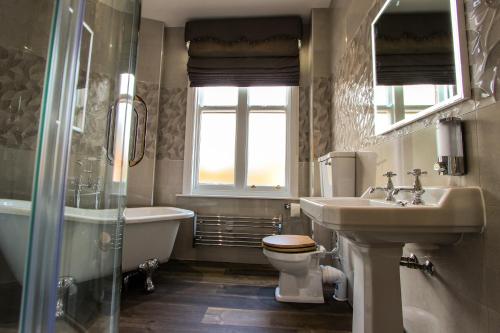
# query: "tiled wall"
[141,177]
[463,295]
[22,69]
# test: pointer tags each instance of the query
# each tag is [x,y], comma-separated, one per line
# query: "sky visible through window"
[217,148]
[265,134]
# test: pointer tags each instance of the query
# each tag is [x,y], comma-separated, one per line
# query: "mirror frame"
[461,55]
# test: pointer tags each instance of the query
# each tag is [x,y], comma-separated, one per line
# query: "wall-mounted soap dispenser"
[450,148]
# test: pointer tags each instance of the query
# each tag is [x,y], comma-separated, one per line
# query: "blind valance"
[244,52]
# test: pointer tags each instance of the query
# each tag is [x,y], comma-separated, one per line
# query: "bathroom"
[174,237]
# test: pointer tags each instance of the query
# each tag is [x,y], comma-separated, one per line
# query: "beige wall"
[170,160]
[464,294]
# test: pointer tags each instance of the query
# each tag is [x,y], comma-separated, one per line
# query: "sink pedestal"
[377,289]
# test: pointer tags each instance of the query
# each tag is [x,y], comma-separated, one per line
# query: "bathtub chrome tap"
[148,268]
[84,184]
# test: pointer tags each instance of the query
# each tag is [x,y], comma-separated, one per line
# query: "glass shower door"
[60,245]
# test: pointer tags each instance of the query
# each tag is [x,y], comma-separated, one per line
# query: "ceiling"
[175,13]
[418,6]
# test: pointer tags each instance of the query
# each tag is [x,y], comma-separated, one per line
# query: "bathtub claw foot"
[64,284]
[148,268]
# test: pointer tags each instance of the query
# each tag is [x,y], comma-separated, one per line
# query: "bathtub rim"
[98,216]
[180,214]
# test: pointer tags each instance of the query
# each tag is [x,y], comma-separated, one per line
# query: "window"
[242,141]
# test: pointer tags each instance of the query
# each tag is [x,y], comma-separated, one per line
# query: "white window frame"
[240,189]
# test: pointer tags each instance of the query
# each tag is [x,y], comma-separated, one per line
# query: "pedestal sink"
[379,229]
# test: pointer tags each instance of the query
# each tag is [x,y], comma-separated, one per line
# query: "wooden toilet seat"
[289,243]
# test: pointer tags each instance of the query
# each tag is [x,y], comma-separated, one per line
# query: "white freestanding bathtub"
[87,247]
[150,233]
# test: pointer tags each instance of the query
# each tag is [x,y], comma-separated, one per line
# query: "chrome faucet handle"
[417,186]
[417,172]
[388,189]
[389,174]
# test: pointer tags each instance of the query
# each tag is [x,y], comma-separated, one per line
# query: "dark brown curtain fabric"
[244,52]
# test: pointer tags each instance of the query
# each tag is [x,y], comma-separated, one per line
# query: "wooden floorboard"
[225,298]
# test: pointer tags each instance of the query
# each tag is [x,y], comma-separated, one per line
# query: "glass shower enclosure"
[67,71]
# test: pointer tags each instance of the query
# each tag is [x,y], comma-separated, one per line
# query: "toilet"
[297,257]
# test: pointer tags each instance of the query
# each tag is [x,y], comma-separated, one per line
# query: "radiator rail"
[234,231]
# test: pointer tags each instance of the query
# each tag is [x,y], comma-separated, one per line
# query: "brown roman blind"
[244,52]
[414,49]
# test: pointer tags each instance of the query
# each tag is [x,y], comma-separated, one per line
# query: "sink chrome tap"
[389,188]
[416,189]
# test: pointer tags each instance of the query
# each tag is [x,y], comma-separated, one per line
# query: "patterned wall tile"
[172,123]
[304,101]
[352,94]
[321,120]
[91,143]
[21,85]
[483,30]
[150,93]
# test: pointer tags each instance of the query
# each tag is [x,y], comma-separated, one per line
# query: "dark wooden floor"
[218,297]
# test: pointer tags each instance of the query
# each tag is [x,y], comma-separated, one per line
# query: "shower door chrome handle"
[140,129]
[140,121]
[110,132]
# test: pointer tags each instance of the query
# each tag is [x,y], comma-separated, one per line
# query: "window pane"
[424,94]
[217,143]
[382,120]
[382,95]
[411,114]
[218,96]
[266,148]
[267,96]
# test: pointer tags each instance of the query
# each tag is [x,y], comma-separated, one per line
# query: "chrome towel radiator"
[234,231]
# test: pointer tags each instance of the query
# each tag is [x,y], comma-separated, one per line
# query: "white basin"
[444,216]
[379,229]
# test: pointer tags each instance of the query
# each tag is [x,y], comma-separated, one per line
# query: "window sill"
[229,196]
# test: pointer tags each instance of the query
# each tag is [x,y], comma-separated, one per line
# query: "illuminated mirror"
[419,59]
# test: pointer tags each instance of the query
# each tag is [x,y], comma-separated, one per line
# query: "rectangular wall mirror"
[82,87]
[420,60]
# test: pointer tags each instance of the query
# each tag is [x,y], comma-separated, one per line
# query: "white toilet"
[297,257]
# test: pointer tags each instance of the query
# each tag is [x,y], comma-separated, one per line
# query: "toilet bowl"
[297,259]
